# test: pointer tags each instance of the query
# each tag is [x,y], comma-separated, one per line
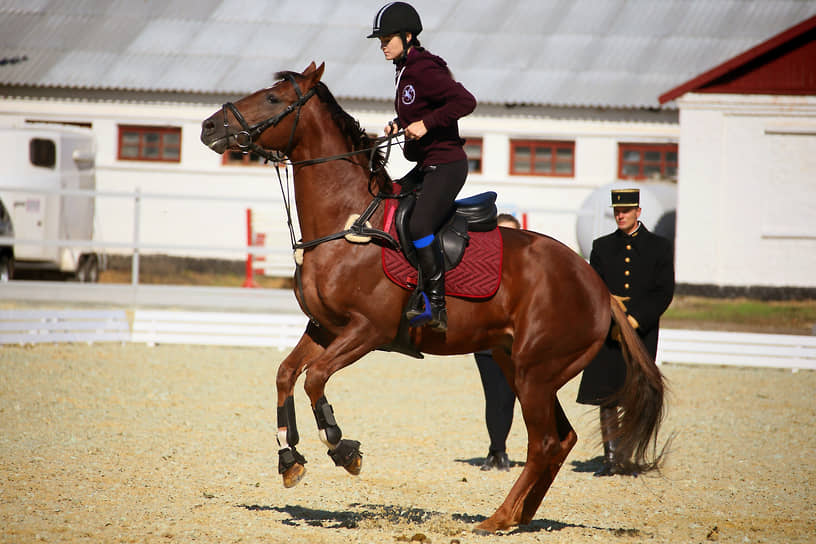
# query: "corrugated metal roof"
[789,66]
[608,53]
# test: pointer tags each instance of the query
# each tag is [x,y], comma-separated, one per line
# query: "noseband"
[245,139]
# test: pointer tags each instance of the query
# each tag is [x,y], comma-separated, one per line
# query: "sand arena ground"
[128,443]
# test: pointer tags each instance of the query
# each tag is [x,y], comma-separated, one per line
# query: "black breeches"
[440,186]
[499,401]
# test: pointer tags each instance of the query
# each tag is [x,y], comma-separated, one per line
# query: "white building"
[568,97]
[747,173]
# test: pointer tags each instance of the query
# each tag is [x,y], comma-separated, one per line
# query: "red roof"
[784,64]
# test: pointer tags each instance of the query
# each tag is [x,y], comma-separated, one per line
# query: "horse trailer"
[43,170]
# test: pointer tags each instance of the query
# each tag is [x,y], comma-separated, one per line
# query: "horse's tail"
[640,401]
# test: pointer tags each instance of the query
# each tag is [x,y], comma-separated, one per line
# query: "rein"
[358,228]
[245,139]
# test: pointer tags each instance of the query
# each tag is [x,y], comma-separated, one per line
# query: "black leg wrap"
[286,418]
[345,452]
[287,458]
[324,415]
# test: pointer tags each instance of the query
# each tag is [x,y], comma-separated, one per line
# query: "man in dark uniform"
[638,268]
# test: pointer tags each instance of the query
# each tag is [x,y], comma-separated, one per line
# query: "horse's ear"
[320,71]
[314,73]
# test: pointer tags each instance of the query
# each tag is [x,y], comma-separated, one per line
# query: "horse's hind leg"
[550,439]
[290,461]
[566,440]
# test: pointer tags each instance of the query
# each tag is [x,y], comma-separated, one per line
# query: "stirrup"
[417,315]
[440,324]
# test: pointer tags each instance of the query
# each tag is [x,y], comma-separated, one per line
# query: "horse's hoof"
[491,525]
[355,466]
[293,475]
[347,455]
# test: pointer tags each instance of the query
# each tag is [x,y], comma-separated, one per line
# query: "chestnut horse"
[547,320]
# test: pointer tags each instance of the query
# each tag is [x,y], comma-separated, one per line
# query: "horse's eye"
[272,99]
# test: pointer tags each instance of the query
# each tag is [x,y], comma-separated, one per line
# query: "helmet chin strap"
[405,46]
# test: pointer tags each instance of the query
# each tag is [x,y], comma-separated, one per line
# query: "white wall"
[747,191]
[551,204]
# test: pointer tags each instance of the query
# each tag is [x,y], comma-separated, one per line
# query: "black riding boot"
[609,430]
[432,271]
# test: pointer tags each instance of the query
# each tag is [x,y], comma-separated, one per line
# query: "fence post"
[249,280]
[137,210]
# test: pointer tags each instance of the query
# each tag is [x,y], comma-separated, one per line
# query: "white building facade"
[197,206]
[747,191]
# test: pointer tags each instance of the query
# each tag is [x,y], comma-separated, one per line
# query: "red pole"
[524,220]
[249,280]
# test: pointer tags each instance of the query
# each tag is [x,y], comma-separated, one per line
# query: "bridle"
[245,139]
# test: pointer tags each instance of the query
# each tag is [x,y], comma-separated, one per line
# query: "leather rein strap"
[246,140]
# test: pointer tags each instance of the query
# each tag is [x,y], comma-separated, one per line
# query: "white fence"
[41,326]
[151,327]
[273,256]
[739,349]
[217,329]
[282,331]
[277,257]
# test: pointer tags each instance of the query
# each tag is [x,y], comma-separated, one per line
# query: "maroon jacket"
[426,90]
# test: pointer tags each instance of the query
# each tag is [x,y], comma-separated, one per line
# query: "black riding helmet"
[397,18]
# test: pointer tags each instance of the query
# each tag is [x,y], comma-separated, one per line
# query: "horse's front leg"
[354,342]
[290,461]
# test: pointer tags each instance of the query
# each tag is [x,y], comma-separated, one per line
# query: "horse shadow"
[351,518]
[590,465]
[478,461]
[357,513]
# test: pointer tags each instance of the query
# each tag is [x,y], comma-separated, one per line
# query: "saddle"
[472,247]
[470,242]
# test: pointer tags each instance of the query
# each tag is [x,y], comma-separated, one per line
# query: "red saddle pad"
[477,276]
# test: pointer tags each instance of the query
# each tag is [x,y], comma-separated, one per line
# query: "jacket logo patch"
[408,95]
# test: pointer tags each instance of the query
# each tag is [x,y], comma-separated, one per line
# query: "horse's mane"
[350,127]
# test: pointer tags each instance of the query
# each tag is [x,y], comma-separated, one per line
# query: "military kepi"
[625,197]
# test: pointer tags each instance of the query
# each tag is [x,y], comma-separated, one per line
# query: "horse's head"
[264,120]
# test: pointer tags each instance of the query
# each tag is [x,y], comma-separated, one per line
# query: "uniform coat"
[639,266]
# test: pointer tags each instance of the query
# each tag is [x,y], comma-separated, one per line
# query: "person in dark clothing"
[499,397]
[428,104]
[638,268]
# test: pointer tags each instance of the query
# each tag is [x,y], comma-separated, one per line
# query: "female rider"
[428,104]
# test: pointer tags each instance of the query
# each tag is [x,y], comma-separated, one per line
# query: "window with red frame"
[473,150]
[143,143]
[647,161]
[542,158]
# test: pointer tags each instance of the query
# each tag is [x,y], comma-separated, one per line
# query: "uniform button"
[626,286]
[628,246]
[626,273]
[627,259]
